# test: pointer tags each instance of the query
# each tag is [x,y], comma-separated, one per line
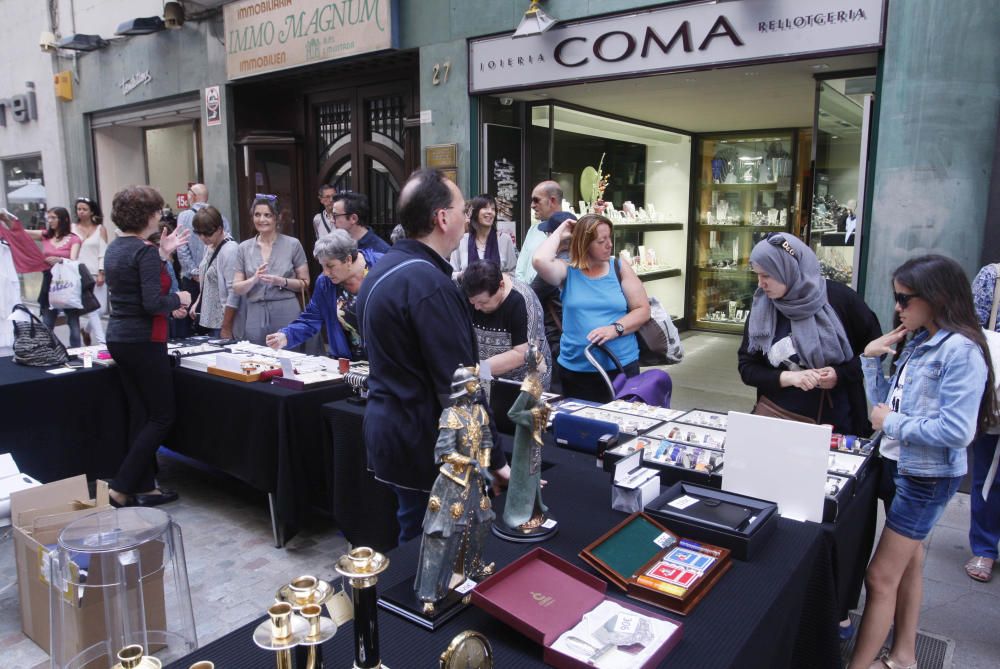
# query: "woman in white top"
[95,240]
[482,242]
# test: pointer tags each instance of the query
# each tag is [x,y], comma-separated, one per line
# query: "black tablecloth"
[363,508]
[57,426]
[761,614]
[272,438]
[268,436]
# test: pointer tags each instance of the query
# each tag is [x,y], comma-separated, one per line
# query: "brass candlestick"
[280,633]
[132,657]
[361,567]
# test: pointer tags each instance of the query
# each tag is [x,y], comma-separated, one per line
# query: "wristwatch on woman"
[619,328]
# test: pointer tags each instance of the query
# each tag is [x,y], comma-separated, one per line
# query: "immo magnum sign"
[268,35]
[675,37]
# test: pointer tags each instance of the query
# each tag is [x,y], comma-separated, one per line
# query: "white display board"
[778,460]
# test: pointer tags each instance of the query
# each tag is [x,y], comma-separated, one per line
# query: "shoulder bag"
[659,340]
[34,344]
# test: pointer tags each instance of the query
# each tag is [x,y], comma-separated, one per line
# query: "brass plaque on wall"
[450,173]
[441,155]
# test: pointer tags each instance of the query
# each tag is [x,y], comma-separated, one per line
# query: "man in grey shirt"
[190,255]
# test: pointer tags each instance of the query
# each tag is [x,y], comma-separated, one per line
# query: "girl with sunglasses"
[940,394]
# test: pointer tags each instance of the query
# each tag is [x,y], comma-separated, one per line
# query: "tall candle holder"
[361,567]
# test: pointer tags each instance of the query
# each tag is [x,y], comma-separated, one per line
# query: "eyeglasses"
[903,299]
[338,213]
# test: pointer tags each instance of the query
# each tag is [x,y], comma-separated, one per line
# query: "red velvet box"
[542,595]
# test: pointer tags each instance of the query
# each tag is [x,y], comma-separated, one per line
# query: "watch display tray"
[544,597]
[737,522]
[643,410]
[627,423]
[654,565]
[839,491]
[693,435]
[702,418]
[692,463]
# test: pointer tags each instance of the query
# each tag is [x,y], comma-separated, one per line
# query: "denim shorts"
[918,503]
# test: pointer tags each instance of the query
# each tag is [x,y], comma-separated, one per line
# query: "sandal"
[893,664]
[979,568]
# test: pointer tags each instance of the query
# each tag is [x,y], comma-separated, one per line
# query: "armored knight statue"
[523,509]
[459,514]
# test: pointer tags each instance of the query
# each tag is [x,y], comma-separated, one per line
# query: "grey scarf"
[817,332]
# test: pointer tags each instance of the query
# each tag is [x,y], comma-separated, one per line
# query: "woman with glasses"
[939,395]
[271,274]
[89,228]
[482,242]
[217,272]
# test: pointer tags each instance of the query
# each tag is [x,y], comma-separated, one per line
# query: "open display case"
[743,190]
[641,172]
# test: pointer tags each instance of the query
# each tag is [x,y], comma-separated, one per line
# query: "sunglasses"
[903,299]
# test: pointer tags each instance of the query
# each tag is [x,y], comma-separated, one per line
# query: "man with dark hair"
[350,213]
[417,330]
[323,222]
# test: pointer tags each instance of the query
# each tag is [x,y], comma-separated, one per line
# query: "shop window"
[172,160]
[641,172]
[24,193]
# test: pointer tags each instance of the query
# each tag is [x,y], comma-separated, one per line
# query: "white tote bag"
[66,286]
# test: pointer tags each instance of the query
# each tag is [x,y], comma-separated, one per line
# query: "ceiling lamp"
[82,43]
[146,26]
[173,15]
[535,21]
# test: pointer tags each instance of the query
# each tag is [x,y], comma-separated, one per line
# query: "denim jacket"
[945,378]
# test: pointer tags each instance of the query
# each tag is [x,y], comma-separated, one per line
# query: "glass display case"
[743,191]
[642,174]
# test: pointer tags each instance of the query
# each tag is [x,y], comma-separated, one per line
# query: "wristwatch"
[619,328]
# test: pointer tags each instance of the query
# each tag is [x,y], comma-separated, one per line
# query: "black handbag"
[34,344]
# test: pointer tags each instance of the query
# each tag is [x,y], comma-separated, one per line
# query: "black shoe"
[155,499]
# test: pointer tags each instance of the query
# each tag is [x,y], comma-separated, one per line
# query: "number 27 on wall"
[441,71]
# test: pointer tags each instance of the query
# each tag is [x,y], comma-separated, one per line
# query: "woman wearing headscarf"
[803,337]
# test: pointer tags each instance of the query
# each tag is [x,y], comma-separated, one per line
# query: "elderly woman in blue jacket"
[929,410]
[333,299]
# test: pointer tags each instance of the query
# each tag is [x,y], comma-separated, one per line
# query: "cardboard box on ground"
[38,516]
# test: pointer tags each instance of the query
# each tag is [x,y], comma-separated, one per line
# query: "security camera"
[47,41]
[506,102]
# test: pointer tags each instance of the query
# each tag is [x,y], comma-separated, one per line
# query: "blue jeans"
[918,504]
[410,514]
[984,529]
[72,320]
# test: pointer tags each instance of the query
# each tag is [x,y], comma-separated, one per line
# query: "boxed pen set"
[654,565]
[566,610]
[737,522]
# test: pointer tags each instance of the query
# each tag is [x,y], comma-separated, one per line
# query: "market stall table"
[270,437]
[777,611]
[57,426]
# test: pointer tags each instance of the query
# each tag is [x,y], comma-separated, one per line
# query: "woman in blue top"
[597,308]
[940,394]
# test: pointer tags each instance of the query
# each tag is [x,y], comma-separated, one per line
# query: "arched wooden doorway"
[362,143]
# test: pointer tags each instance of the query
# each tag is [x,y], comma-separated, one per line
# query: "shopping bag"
[66,287]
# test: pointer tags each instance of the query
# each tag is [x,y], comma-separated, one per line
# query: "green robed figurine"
[525,516]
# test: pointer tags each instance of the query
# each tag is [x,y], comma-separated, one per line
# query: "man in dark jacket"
[417,330]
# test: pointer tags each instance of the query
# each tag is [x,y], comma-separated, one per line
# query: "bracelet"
[286,283]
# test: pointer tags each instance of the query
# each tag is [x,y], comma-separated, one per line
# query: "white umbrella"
[29,193]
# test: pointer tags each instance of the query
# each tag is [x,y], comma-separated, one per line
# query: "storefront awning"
[29,193]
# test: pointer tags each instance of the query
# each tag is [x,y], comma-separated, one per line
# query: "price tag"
[683,502]
[465,586]
[626,624]
[340,608]
[287,368]
[664,540]
[550,523]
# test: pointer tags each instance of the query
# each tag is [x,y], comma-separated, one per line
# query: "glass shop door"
[270,165]
[841,133]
